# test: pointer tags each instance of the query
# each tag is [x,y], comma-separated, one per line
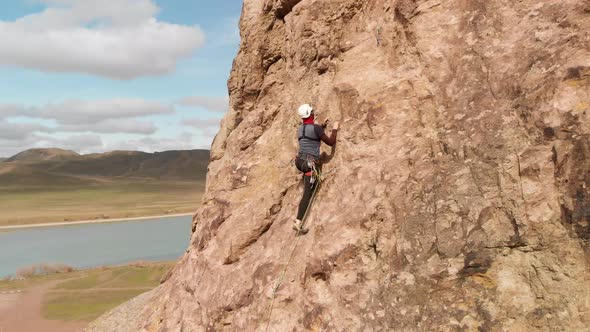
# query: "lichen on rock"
[459,190]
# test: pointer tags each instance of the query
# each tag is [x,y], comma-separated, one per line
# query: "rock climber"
[310,136]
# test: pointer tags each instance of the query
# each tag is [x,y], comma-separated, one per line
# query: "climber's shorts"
[303,164]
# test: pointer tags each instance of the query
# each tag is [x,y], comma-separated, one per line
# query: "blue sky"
[94,76]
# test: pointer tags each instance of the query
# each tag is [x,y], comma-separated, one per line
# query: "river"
[92,245]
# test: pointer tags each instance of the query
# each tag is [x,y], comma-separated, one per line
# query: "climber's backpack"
[317,136]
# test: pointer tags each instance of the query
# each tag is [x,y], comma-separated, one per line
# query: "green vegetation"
[85,306]
[13,285]
[85,295]
[138,277]
[97,291]
[33,280]
[90,279]
[118,277]
[43,269]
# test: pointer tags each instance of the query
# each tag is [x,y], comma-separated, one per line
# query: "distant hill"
[33,155]
[2,159]
[55,167]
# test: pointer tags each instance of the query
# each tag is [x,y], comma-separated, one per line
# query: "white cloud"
[92,111]
[79,143]
[9,110]
[201,123]
[219,104]
[184,141]
[77,116]
[127,126]
[10,131]
[207,127]
[89,112]
[99,126]
[118,39]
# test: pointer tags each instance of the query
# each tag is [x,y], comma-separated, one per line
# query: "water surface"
[91,245]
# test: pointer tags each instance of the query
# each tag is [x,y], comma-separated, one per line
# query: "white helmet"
[305,111]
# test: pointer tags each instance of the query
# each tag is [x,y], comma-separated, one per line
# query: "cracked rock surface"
[458,195]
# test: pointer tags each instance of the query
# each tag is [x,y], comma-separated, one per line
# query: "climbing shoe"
[298,227]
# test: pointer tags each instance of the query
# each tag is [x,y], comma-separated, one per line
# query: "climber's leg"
[309,186]
[304,203]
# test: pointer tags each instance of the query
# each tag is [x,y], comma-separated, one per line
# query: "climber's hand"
[336,125]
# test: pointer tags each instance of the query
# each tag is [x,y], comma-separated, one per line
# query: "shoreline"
[92,221]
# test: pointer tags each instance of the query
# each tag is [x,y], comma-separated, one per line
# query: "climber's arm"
[331,140]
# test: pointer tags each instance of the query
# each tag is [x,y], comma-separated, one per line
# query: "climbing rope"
[318,175]
[274,290]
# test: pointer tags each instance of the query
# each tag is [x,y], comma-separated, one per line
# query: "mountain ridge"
[60,167]
[40,154]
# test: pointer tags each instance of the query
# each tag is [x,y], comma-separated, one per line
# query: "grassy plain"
[120,198]
[85,295]
[53,185]
[85,306]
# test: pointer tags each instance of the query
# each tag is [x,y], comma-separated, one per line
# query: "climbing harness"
[314,173]
[319,178]
[310,162]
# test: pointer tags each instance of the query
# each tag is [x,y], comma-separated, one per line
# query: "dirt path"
[22,313]
[7,300]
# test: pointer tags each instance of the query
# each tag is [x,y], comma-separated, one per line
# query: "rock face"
[458,196]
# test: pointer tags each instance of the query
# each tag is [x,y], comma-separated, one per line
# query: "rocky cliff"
[458,193]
